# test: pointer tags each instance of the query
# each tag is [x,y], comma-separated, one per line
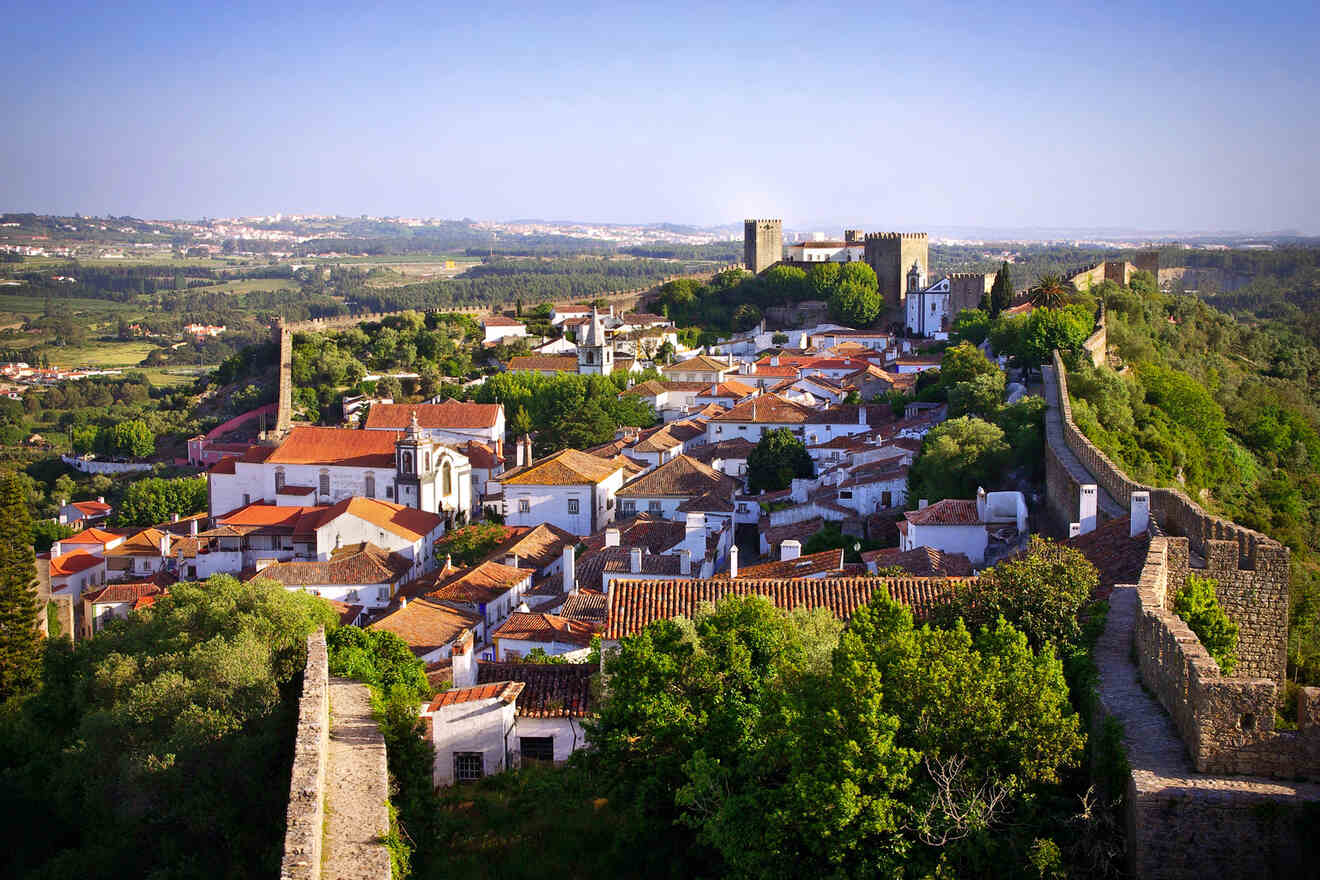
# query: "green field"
[35,305]
[246,285]
[172,377]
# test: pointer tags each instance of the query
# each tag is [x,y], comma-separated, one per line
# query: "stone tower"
[595,354]
[1148,261]
[763,244]
[891,255]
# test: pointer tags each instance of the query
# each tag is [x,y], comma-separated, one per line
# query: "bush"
[1197,604]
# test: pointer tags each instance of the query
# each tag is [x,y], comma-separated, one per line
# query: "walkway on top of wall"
[356,788]
[1161,769]
[1109,508]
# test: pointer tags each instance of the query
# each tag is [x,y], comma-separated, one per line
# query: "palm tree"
[1048,292]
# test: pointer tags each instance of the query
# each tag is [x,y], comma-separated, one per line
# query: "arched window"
[428,462]
[447,479]
[325,483]
[370,490]
[406,465]
[279,479]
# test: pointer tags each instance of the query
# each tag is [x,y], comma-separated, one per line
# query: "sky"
[1174,116]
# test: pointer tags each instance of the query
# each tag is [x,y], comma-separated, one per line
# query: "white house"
[82,514]
[963,526]
[432,629]
[471,729]
[818,249]
[490,590]
[549,711]
[559,314]
[117,601]
[702,368]
[752,418]
[569,489]
[321,466]
[662,491]
[355,574]
[524,631]
[498,328]
[668,442]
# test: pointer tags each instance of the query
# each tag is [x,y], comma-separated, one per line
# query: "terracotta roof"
[347,612]
[72,563]
[850,413]
[147,543]
[567,467]
[803,566]
[1117,556]
[541,545]
[767,408]
[643,318]
[636,603]
[921,561]
[699,363]
[92,508]
[287,489]
[782,371]
[125,593]
[949,512]
[500,321]
[504,691]
[447,414]
[91,536]
[552,690]
[798,530]
[361,564]
[224,466]
[482,456]
[298,519]
[482,583]
[670,435]
[711,502]
[737,448]
[652,533]
[337,446]
[584,604]
[528,626]
[920,360]
[543,363]
[681,477]
[257,454]
[730,388]
[649,388]
[408,523]
[591,566]
[426,625]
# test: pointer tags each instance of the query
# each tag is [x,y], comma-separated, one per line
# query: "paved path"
[356,789]
[1109,508]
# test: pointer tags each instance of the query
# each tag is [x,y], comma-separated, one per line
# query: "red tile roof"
[654,534]
[91,536]
[552,690]
[543,363]
[586,605]
[408,523]
[480,584]
[504,691]
[567,467]
[350,566]
[72,563]
[92,508]
[426,625]
[767,408]
[921,561]
[803,566]
[125,593]
[635,604]
[680,477]
[529,626]
[447,414]
[949,512]
[337,446]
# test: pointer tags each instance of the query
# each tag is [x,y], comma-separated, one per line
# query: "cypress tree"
[20,641]
[1001,294]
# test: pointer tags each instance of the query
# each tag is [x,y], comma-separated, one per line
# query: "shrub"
[1197,604]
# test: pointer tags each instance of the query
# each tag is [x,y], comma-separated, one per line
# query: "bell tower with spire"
[415,461]
[595,354]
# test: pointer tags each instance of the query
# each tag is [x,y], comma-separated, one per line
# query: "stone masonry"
[763,244]
[302,829]
[891,255]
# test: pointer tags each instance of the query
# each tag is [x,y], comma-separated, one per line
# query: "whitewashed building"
[569,489]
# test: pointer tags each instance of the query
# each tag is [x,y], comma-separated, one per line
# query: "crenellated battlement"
[895,236]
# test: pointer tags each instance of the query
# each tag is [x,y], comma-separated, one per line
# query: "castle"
[763,244]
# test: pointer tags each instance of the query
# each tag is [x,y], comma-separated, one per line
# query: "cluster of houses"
[21,373]
[589,545]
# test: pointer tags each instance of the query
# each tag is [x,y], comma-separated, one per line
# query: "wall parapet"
[306,810]
[1226,723]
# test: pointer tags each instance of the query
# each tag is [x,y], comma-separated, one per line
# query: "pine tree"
[1001,294]
[20,642]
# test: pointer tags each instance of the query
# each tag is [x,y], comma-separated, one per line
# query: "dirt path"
[356,789]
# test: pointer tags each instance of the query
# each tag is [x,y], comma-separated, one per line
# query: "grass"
[173,377]
[246,285]
[35,306]
[98,354]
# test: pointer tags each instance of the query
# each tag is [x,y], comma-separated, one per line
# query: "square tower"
[763,244]
[892,255]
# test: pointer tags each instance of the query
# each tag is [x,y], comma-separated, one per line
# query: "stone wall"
[1251,568]
[306,811]
[1097,344]
[891,254]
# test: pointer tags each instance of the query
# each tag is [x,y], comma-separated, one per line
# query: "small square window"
[574,506]
[653,507]
[468,766]
[524,506]
[537,748]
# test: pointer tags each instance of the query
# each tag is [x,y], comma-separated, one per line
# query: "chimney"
[746,368]
[1088,498]
[611,537]
[464,661]
[714,389]
[982,509]
[518,460]
[174,517]
[774,360]
[403,601]
[694,534]
[1140,514]
[165,544]
[527,451]
[1074,529]
[192,527]
[570,568]
[100,499]
[449,562]
[56,550]
[923,504]
[635,560]
[790,549]
[861,414]
[685,561]
[733,561]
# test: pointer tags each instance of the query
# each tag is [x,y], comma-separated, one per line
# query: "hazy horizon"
[1173,119]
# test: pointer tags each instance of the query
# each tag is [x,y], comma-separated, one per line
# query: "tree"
[473,543]
[854,305]
[860,274]
[971,325]
[46,532]
[1049,291]
[778,458]
[747,316]
[132,439]
[1040,594]
[981,396]
[957,457]
[964,362]
[785,284]
[822,279]
[154,500]
[20,641]
[1001,294]
[1197,604]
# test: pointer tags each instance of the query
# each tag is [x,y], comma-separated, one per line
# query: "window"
[468,766]
[370,489]
[537,748]
[428,462]
[389,491]
[628,507]
[524,506]
[653,507]
[574,506]
[279,479]
[325,483]
[247,499]
[886,499]
[845,493]
[405,460]
[447,479]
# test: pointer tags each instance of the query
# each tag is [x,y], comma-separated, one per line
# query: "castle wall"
[966,289]
[763,244]
[306,811]
[1147,261]
[891,254]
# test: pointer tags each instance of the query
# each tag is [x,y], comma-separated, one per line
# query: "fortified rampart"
[306,812]
[1097,344]
[891,255]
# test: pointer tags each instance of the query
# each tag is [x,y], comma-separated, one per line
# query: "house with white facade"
[499,328]
[702,368]
[660,492]
[115,601]
[525,631]
[322,466]
[550,709]
[490,590]
[356,574]
[964,526]
[570,489]
[83,514]
[431,628]
[660,445]
[752,418]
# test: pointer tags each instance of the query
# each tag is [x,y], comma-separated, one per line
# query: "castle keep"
[763,244]
[892,255]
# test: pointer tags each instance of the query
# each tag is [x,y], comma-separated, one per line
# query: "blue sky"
[1159,116]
